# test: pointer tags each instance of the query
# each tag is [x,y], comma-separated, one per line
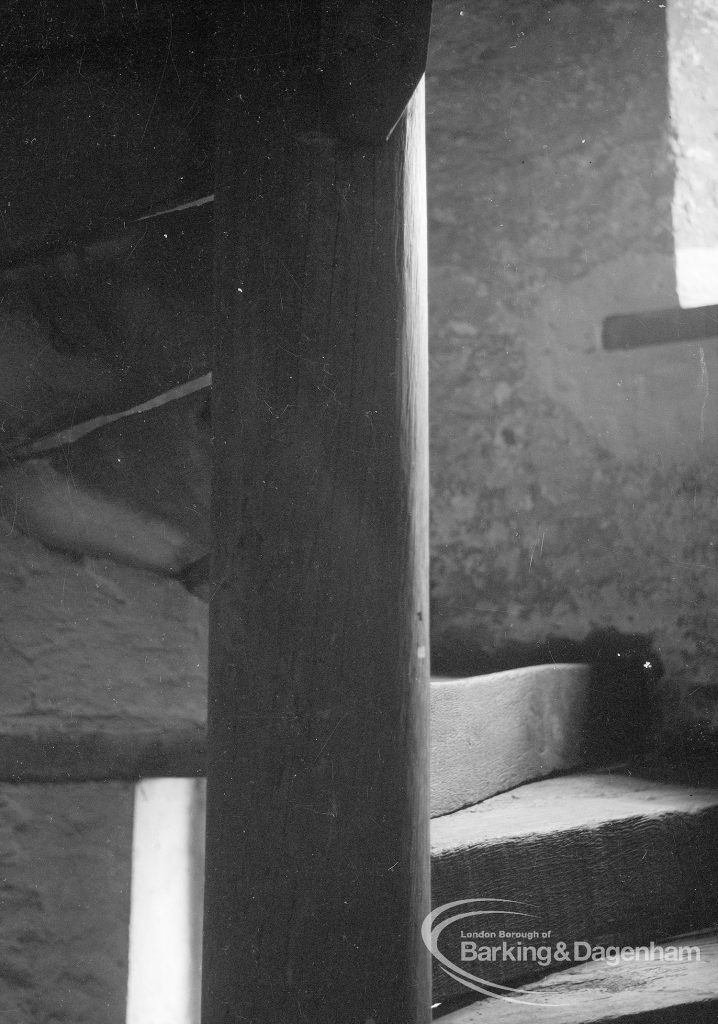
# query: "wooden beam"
[391,37]
[317,832]
[660,327]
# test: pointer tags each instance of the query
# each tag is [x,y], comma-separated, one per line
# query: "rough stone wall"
[574,491]
[64,902]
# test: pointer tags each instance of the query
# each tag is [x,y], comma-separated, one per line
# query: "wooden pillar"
[317,872]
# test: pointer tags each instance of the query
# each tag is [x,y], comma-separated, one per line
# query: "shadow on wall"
[626,653]
[621,662]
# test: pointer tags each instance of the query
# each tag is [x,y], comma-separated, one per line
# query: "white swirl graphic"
[431,930]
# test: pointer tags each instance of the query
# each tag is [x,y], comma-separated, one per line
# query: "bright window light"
[166,902]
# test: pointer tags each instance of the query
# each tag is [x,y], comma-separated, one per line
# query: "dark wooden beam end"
[660,327]
[373,59]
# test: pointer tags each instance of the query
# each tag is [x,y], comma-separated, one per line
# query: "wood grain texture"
[318,686]
[598,857]
[490,733]
[641,992]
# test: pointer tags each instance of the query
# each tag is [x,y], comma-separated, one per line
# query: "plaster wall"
[64,902]
[574,490]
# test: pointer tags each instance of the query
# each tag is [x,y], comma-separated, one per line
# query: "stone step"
[127,650]
[591,858]
[620,990]
[489,733]
[494,732]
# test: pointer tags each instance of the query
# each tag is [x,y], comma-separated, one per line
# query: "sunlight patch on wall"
[166,902]
[693,87]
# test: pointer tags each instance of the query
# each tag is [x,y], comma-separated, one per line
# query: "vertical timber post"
[317,869]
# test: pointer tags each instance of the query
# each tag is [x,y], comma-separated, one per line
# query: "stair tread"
[596,857]
[600,992]
[565,804]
